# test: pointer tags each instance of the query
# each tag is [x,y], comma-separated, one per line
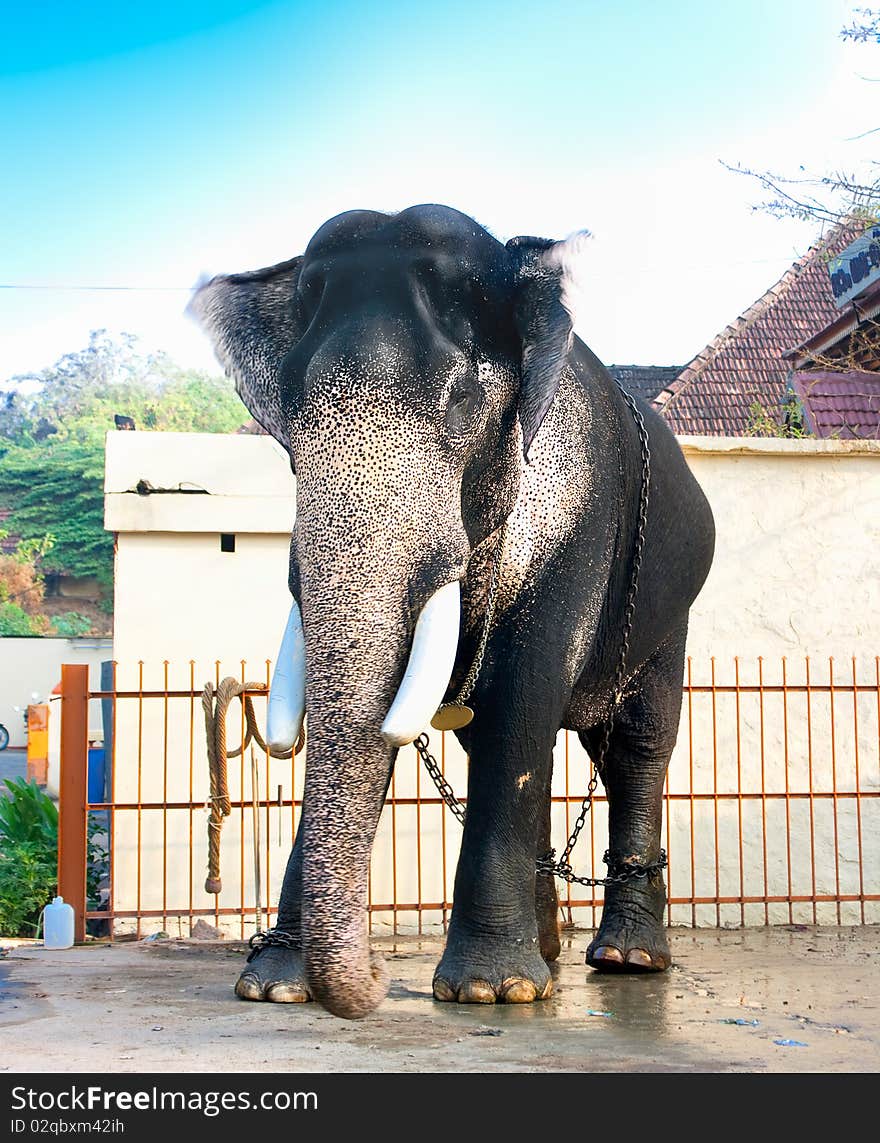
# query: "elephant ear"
[252,320]
[545,284]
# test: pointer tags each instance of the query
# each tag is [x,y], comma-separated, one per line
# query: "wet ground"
[785,999]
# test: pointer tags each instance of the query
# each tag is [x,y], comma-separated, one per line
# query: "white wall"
[797,562]
[795,575]
[30,666]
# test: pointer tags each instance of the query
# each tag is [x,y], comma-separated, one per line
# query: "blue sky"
[147,144]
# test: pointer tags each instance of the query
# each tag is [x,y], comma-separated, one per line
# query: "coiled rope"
[215,704]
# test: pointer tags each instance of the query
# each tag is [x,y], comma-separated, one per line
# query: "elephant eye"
[464,404]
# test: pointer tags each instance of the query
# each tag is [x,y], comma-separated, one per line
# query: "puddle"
[20,1000]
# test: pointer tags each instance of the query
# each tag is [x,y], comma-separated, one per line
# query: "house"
[740,384]
[836,372]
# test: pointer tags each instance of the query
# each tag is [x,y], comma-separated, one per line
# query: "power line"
[151,289]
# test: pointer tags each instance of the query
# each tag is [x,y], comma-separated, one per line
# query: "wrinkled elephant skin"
[427,384]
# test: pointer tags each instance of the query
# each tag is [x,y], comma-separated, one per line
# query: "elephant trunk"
[355,667]
[343,801]
[369,558]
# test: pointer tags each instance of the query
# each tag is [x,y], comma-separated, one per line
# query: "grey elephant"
[479,508]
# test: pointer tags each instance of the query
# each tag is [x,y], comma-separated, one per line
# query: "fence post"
[72,793]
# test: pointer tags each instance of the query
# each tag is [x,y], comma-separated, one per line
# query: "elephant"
[475,495]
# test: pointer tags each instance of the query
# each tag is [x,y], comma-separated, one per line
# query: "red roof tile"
[712,395]
[845,405]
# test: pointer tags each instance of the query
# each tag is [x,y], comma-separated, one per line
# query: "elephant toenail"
[476,992]
[515,990]
[249,987]
[286,992]
[639,958]
[443,990]
[606,954]
[548,989]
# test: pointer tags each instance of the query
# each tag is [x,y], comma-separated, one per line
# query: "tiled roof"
[845,405]
[644,381]
[744,364]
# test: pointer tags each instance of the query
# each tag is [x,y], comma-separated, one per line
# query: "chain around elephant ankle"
[270,938]
[619,872]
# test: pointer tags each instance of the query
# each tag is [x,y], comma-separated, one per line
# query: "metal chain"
[473,674]
[623,872]
[268,939]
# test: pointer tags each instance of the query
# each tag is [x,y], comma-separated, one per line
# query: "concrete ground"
[785,999]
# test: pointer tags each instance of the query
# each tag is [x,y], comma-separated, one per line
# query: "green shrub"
[27,813]
[29,857]
[28,881]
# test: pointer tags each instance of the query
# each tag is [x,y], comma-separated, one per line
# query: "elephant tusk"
[287,692]
[431,660]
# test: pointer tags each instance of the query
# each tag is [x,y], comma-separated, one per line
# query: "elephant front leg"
[275,971]
[493,949]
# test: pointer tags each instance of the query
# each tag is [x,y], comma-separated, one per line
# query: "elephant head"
[406,363]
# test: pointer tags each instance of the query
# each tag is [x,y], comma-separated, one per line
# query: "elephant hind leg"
[546,899]
[632,935]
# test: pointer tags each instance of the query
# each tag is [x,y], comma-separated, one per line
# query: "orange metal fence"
[771,808]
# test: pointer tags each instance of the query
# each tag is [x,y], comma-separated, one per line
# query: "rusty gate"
[771,810]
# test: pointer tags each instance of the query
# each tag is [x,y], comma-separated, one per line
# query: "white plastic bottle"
[58,925]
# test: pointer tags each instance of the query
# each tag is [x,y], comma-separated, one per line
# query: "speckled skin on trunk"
[427,385]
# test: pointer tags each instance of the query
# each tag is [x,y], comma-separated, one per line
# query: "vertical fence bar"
[810,785]
[111,833]
[419,837]
[165,797]
[690,690]
[393,853]
[593,862]
[739,792]
[140,777]
[268,764]
[443,812]
[715,795]
[192,715]
[570,919]
[216,895]
[72,795]
[241,819]
[834,785]
[787,789]
[858,790]
[763,788]
[668,848]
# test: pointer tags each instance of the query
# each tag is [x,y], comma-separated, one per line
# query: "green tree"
[53,425]
[57,487]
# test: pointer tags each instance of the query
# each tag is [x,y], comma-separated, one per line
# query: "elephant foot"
[275,974]
[632,937]
[547,915]
[486,972]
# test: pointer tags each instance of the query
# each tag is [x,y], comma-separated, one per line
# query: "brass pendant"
[452,717]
